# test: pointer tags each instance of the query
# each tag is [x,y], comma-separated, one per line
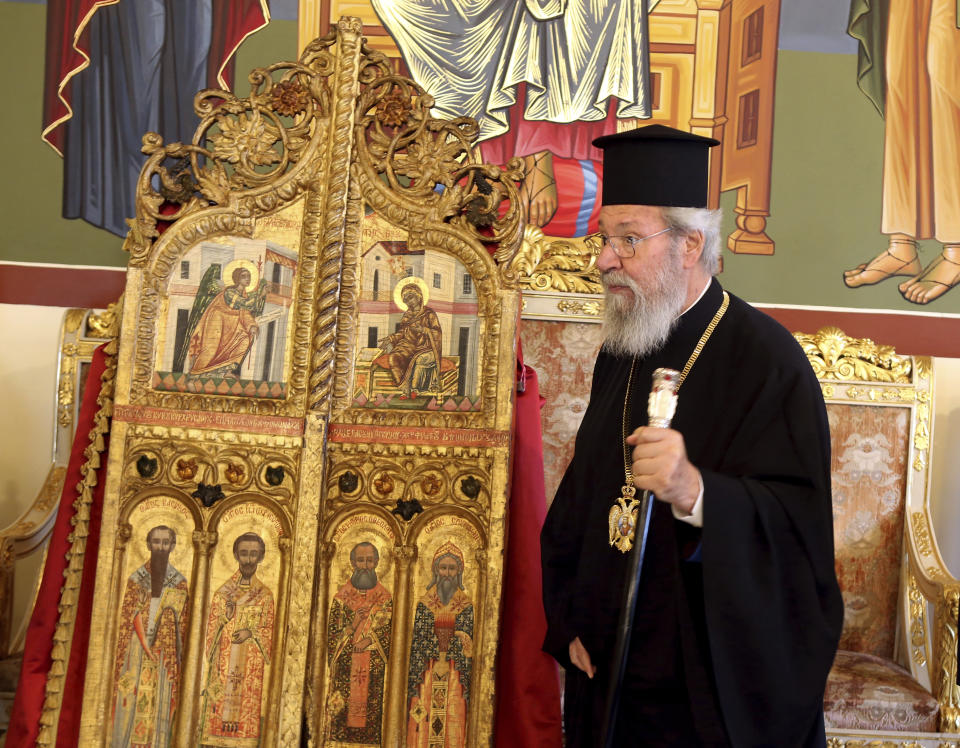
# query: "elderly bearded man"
[739,613]
[358,638]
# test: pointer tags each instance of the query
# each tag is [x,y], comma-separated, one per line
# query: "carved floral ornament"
[416,169]
[241,146]
[834,355]
[566,265]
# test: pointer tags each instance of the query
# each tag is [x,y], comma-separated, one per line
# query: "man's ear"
[692,248]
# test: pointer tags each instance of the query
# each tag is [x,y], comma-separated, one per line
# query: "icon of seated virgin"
[412,354]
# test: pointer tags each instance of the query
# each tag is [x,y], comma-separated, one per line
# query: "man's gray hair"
[684,220]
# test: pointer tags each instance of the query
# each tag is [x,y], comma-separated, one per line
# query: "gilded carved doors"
[303,522]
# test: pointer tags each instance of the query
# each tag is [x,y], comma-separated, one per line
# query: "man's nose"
[608,259]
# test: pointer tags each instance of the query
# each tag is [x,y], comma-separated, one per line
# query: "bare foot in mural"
[539,188]
[899,258]
[942,274]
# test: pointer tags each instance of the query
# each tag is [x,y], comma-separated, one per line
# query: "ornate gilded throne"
[895,675]
[287,553]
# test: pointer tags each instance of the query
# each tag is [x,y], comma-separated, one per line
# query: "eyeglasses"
[626,246]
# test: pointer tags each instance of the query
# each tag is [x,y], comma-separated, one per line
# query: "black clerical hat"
[655,165]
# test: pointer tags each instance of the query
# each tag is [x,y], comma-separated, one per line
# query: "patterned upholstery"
[868,468]
[865,692]
[563,355]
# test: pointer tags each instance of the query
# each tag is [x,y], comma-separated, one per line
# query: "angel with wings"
[222,325]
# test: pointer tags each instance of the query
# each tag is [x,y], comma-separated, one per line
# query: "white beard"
[641,325]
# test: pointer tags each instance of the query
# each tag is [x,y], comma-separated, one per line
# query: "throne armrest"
[19,540]
[931,582]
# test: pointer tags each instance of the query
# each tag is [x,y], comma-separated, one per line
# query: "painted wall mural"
[910,74]
[852,193]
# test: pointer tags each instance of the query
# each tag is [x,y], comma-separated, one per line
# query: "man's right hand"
[580,658]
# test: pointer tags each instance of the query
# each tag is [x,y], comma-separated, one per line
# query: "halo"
[398,291]
[248,264]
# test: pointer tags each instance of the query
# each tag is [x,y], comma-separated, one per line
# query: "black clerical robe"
[738,621]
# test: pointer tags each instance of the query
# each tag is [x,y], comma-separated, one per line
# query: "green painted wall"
[31,191]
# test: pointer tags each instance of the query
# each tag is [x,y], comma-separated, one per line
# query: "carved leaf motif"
[214,183]
[246,137]
[834,355]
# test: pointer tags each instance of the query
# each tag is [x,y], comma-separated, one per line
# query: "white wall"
[29,337]
[945,479]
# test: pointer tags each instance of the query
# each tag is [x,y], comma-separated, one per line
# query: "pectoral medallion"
[623,520]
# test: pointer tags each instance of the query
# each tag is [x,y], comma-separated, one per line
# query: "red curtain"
[528,687]
[28,703]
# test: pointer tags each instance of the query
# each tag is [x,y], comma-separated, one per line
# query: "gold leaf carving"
[549,264]
[834,355]
[569,306]
[946,689]
[918,624]
[921,531]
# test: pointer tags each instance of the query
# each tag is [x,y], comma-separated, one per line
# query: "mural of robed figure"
[153,623]
[909,57]
[542,78]
[238,646]
[358,641]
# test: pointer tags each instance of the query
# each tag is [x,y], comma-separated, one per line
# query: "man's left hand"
[660,464]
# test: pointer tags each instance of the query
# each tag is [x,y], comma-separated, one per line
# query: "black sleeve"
[769,584]
[560,541]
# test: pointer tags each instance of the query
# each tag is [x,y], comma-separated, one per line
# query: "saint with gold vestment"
[238,644]
[149,659]
[441,658]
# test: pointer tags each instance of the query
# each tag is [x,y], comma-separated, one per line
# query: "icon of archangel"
[222,326]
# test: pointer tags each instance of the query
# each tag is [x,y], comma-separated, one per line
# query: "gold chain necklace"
[622,521]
